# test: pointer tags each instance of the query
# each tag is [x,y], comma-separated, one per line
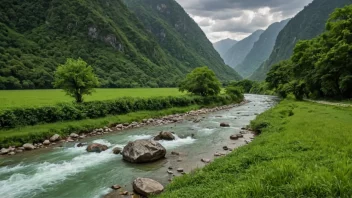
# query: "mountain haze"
[223,46]
[261,49]
[239,51]
[307,24]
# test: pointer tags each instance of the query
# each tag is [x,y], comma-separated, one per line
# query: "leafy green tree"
[246,85]
[201,81]
[76,78]
[235,92]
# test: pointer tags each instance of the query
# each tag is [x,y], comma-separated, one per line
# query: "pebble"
[180,170]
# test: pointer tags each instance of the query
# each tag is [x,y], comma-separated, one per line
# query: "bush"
[236,93]
[12,118]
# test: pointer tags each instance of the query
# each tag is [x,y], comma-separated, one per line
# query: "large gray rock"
[46,142]
[146,187]
[28,146]
[97,148]
[141,151]
[4,151]
[165,136]
[55,138]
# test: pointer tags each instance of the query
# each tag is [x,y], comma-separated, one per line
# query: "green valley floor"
[304,150]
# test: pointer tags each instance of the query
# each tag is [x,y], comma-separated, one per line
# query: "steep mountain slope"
[179,35]
[37,36]
[261,49]
[239,51]
[223,46]
[307,24]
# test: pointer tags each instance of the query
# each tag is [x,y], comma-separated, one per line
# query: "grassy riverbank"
[17,136]
[36,98]
[304,150]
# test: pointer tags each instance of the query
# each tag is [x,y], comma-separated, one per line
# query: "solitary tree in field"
[201,81]
[76,78]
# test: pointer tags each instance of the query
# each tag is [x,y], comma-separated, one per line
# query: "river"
[72,172]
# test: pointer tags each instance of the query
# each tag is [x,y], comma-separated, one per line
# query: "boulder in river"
[223,124]
[146,186]
[28,146]
[165,136]
[141,151]
[55,138]
[96,148]
[117,150]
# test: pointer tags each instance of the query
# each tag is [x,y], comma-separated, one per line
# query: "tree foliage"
[201,81]
[322,66]
[76,78]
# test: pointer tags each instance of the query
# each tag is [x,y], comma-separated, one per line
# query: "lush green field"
[25,98]
[37,133]
[304,151]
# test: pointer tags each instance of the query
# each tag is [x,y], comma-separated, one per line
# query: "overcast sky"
[236,19]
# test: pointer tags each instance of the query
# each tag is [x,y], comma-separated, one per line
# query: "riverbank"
[304,150]
[79,130]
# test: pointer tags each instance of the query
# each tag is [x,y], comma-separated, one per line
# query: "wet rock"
[146,186]
[180,170]
[116,187]
[225,148]
[69,139]
[224,124]
[117,150]
[217,154]
[170,168]
[124,193]
[28,146]
[97,148]
[236,137]
[170,172]
[120,126]
[46,142]
[4,151]
[141,151]
[74,135]
[55,138]
[205,160]
[81,144]
[165,136]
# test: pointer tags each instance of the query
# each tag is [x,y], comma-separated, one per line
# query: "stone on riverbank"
[146,186]
[4,151]
[74,135]
[141,151]
[236,137]
[55,138]
[46,142]
[28,146]
[97,148]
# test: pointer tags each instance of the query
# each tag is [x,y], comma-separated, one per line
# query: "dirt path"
[329,103]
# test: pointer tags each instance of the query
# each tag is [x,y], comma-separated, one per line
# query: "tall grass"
[304,150]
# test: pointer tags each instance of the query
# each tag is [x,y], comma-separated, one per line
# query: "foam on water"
[139,137]
[102,192]
[205,131]
[103,142]
[177,142]
[46,174]
[8,169]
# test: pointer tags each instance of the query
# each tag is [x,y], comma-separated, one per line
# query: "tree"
[235,92]
[201,81]
[76,78]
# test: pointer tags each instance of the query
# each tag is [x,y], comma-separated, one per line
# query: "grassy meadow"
[30,98]
[304,150]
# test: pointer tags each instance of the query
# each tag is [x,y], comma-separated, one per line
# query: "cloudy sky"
[236,19]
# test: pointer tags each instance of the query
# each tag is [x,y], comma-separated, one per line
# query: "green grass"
[29,98]
[304,150]
[38,133]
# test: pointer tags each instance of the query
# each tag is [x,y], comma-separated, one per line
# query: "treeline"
[320,67]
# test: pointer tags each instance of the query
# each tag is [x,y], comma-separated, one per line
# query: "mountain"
[307,24]
[37,36]
[261,49]
[179,35]
[223,46]
[239,51]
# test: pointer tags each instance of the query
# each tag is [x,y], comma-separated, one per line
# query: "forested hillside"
[223,46]
[240,50]
[307,24]
[179,35]
[261,49]
[37,36]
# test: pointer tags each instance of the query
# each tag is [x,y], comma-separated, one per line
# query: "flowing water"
[72,172]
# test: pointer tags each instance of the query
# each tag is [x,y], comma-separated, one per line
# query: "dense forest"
[307,24]
[37,36]
[320,67]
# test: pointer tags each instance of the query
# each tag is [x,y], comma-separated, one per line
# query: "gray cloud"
[236,19]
